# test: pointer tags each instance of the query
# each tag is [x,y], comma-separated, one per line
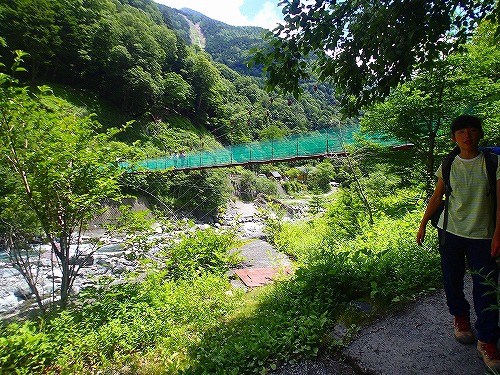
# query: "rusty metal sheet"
[253,277]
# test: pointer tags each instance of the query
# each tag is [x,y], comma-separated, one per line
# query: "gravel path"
[418,340]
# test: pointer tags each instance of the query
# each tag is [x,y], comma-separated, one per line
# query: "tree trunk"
[64,258]
[24,266]
[429,180]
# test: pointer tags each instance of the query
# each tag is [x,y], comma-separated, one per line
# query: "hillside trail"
[415,340]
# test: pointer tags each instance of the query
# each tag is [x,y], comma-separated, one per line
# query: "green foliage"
[208,190]
[380,183]
[61,167]
[116,326]
[137,227]
[292,187]
[320,177]
[266,186]
[203,193]
[420,111]
[249,186]
[129,57]
[173,135]
[347,215]
[273,216]
[179,94]
[382,264]
[154,320]
[301,239]
[276,329]
[82,163]
[292,173]
[484,60]
[201,251]
[272,131]
[175,22]
[24,350]
[183,319]
[366,63]
[391,260]
[316,204]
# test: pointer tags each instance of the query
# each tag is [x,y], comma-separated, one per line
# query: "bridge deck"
[319,144]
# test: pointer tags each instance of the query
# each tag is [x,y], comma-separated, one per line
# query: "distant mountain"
[225,43]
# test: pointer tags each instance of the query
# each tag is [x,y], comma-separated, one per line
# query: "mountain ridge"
[226,44]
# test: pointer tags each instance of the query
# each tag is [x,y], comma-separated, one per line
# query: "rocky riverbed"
[108,259]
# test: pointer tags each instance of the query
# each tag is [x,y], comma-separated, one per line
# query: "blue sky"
[263,13]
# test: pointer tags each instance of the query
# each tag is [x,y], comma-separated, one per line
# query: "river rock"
[23,292]
[107,260]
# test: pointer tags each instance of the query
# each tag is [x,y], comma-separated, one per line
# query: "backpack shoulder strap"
[491,160]
[446,168]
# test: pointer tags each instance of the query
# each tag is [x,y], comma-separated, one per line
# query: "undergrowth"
[184,318]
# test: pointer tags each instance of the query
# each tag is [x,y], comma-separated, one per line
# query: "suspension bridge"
[310,145]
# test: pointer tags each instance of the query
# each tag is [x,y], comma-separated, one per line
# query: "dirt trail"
[416,341]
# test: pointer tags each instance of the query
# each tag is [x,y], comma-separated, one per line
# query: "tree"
[319,179]
[420,110]
[32,24]
[363,48]
[484,60]
[201,193]
[178,93]
[272,131]
[141,90]
[62,167]
[207,84]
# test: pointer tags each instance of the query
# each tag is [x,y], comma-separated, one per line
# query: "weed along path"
[417,340]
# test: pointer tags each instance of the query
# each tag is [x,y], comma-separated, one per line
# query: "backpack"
[491,160]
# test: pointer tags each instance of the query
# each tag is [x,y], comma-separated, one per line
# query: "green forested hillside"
[128,54]
[175,21]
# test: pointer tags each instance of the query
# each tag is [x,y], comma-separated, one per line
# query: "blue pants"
[482,266]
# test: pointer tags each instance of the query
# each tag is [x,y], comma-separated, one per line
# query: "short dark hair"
[466,121]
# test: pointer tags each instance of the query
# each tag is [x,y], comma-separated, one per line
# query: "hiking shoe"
[489,353]
[462,330]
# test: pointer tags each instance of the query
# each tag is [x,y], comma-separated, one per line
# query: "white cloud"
[268,16]
[228,11]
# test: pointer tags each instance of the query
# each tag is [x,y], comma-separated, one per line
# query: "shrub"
[201,251]
[122,324]
[292,187]
[250,185]
[319,179]
[24,350]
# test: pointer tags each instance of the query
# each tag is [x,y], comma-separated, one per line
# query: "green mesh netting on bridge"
[303,145]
